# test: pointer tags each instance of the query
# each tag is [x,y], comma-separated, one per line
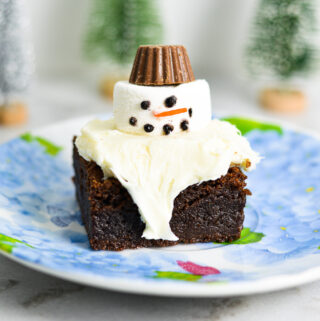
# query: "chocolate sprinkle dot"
[148,128]
[167,128]
[133,121]
[190,112]
[184,125]
[170,101]
[145,104]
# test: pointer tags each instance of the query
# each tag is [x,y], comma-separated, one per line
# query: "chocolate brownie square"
[208,212]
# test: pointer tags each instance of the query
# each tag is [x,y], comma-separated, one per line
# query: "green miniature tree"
[118,27]
[282,47]
[281,43]
[16,61]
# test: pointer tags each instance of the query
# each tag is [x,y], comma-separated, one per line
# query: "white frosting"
[127,103]
[155,169]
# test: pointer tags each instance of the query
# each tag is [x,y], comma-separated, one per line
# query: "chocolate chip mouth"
[133,121]
[148,128]
[184,125]
[167,129]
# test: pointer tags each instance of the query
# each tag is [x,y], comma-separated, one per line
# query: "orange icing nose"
[171,112]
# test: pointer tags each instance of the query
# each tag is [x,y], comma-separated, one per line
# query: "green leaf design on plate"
[50,148]
[7,243]
[246,125]
[247,237]
[319,247]
[177,276]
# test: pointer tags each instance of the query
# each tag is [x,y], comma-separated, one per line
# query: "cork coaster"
[287,101]
[107,84]
[13,114]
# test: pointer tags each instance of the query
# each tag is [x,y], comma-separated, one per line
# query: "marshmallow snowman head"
[161,110]
[162,96]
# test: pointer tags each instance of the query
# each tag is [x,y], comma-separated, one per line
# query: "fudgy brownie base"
[209,212]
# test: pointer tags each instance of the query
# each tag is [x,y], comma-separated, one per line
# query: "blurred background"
[71,77]
[213,32]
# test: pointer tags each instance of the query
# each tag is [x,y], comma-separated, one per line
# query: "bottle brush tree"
[16,60]
[281,47]
[117,28]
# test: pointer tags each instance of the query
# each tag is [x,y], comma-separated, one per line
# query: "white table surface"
[29,295]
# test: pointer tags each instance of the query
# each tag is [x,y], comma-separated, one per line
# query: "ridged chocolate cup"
[161,66]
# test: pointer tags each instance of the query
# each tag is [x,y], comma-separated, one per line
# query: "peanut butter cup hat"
[161,66]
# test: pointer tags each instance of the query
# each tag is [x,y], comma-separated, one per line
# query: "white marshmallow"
[128,98]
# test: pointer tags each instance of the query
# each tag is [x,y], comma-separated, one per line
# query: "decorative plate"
[40,224]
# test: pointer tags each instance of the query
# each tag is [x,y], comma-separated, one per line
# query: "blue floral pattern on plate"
[41,223]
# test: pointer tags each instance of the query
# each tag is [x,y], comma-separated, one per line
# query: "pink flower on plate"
[197,269]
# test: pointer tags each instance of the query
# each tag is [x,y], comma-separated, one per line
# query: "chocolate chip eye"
[184,125]
[190,112]
[167,129]
[170,101]
[145,104]
[133,121]
[148,128]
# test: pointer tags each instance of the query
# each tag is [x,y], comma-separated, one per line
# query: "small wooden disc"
[15,113]
[107,85]
[281,100]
